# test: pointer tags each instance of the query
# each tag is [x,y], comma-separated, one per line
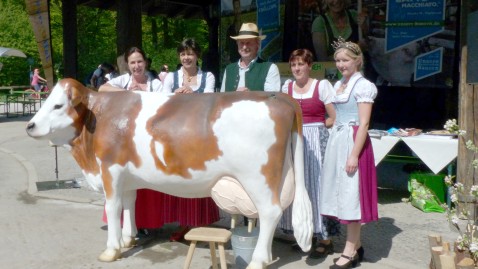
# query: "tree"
[96,39]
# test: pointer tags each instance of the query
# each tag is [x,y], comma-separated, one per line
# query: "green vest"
[255,76]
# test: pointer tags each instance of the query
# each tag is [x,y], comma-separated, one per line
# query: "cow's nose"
[30,126]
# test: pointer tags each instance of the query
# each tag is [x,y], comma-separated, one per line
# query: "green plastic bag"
[423,198]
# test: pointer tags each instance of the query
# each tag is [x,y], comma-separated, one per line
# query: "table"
[4,98]
[436,152]
[27,99]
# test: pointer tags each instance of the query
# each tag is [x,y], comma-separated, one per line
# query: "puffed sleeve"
[210,82]
[326,91]
[285,86]
[365,91]
[156,85]
[168,83]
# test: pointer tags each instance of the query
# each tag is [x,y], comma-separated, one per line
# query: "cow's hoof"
[128,242]
[110,255]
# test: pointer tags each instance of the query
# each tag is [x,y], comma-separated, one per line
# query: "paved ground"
[47,227]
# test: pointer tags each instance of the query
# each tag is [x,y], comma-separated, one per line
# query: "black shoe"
[322,250]
[360,253]
[352,263]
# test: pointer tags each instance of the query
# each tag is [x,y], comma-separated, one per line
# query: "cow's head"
[60,117]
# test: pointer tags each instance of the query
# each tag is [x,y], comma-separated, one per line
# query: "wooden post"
[436,252]
[128,25]
[434,240]
[447,258]
[70,38]
[468,93]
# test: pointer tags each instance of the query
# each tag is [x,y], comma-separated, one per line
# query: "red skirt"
[367,182]
[154,209]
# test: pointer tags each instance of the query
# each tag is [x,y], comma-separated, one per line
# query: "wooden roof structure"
[187,9]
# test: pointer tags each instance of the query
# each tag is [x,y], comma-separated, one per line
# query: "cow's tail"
[302,208]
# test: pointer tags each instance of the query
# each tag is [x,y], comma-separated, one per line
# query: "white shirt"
[326,91]
[123,81]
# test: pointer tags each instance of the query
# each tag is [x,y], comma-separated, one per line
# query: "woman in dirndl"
[315,99]
[348,190]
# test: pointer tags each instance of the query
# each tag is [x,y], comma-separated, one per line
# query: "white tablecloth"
[436,152]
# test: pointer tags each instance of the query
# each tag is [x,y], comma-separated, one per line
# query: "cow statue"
[181,145]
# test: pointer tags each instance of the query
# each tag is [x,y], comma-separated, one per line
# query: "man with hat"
[251,73]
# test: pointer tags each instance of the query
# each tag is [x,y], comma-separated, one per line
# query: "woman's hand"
[184,89]
[242,89]
[137,87]
[352,164]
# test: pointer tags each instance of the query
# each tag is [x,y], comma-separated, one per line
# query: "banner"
[40,21]
[406,43]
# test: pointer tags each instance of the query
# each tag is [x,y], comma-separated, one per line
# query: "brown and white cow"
[181,145]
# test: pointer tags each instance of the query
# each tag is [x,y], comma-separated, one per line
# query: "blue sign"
[268,21]
[412,20]
[428,64]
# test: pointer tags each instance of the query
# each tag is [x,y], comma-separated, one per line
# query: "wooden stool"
[213,236]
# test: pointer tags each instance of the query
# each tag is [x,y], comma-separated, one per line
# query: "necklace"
[301,90]
[189,78]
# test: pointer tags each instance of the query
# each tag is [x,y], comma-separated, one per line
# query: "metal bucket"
[243,244]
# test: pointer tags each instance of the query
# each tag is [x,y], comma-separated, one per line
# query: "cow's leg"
[129,220]
[113,209]
[269,215]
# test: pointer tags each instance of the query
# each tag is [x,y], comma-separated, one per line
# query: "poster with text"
[407,43]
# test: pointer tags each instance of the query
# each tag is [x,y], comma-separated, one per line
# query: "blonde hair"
[356,54]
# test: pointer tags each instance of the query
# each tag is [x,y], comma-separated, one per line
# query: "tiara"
[341,43]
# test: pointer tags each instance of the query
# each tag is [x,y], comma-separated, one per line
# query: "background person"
[136,79]
[98,77]
[164,72]
[337,21]
[36,78]
[250,73]
[315,99]
[189,77]
[348,189]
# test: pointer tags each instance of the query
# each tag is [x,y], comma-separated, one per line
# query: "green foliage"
[96,39]
[170,33]
[15,32]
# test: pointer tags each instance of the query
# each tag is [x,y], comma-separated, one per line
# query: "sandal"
[322,250]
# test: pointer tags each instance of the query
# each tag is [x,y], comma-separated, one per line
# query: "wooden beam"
[128,25]
[70,39]
[468,106]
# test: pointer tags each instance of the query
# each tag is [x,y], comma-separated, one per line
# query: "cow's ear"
[74,95]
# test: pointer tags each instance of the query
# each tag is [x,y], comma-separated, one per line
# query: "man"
[250,73]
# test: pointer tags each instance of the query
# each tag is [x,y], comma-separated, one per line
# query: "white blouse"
[365,91]
[123,81]
[326,91]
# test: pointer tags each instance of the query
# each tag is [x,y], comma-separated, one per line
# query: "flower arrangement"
[467,241]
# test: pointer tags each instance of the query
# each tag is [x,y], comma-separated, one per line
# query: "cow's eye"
[57,106]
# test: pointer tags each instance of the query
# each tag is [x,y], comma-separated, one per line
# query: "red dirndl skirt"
[154,209]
